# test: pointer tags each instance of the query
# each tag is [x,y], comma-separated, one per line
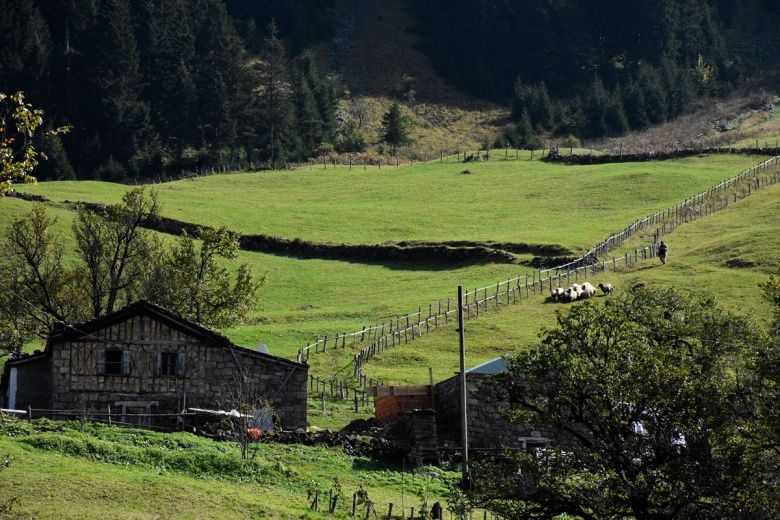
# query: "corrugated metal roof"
[494,366]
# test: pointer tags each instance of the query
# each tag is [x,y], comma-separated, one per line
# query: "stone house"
[144,359]
[487,404]
[488,426]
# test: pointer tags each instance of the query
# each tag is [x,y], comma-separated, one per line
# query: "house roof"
[494,366]
[147,308]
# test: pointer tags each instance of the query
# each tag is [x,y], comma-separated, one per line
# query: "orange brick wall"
[389,407]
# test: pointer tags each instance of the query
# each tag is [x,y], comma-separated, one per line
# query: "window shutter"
[125,362]
[101,361]
[181,364]
[158,365]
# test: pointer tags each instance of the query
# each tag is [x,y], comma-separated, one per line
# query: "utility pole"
[464,435]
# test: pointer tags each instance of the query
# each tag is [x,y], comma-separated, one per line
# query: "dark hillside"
[161,87]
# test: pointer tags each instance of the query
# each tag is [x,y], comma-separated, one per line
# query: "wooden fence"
[360,507]
[402,329]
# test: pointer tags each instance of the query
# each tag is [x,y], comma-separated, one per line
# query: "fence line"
[402,329]
[461,155]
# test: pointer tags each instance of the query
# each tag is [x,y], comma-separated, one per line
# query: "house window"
[171,364]
[168,363]
[113,362]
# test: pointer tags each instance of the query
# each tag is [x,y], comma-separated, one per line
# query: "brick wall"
[389,408]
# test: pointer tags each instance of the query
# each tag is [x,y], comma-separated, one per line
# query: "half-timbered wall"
[208,371]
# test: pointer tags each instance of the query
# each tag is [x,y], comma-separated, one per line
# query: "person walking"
[662,252]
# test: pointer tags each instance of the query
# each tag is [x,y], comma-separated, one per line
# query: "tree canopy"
[656,405]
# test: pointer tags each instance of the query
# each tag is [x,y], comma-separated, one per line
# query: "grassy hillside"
[511,200]
[516,201]
[125,473]
[725,255]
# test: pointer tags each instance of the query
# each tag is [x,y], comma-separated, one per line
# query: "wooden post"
[464,438]
[29,413]
[390,511]
[109,415]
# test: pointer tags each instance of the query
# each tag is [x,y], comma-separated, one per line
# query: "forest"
[158,87]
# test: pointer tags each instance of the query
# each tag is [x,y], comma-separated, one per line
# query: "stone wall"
[210,374]
[487,406]
[32,383]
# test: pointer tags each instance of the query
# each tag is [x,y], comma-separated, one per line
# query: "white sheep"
[587,290]
[606,288]
[570,295]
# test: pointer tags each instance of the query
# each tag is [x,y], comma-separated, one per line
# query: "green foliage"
[19,123]
[640,392]
[193,284]
[394,127]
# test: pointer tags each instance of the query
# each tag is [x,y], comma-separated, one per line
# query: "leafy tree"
[117,261]
[19,123]
[37,285]
[350,139]
[642,393]
[115,250]
[191,282]
[394,127]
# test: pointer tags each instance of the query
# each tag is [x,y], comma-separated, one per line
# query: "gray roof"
[494,366]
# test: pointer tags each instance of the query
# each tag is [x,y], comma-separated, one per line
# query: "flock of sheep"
[578,292]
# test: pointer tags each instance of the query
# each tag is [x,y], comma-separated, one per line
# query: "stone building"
[487,404]
[488,426]
[144,359]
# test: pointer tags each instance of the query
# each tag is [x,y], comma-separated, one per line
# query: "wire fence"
[413,155]
[361,506]
[402,329]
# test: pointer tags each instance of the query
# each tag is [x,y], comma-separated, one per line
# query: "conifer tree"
[541,110]
[656,101]
[634,103]
[276,110]
[526,138]
[122,118]
[394,127]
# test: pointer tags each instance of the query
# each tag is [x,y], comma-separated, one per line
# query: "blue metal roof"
[494,366]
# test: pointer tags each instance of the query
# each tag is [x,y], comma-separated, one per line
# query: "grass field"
[516,201]
[137,474]
[510,200]
[724,255]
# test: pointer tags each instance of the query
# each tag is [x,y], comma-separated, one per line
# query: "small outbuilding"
[143,362]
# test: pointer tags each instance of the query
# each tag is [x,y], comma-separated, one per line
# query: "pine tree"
[394,127]
[526,138]
[171,84]
[656,101]
[220,76]
[521,100]
[634,103]
[308,119]
[615,119]
[541,109]
[596,104]
[277,117]
[116,82]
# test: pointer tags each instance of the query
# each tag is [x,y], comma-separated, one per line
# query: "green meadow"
[500,200]
[138,474]
[512,200]
[723,256]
